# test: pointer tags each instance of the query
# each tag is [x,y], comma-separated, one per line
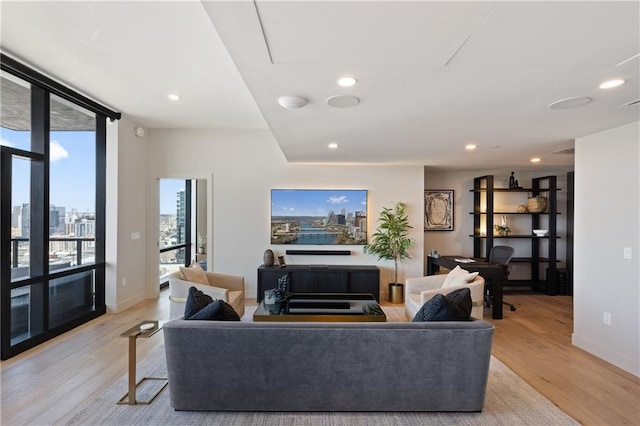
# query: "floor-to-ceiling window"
[52,166]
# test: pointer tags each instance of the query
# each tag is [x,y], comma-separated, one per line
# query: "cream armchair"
[229,288]
[421,289]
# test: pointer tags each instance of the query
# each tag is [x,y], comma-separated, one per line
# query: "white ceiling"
[432,76]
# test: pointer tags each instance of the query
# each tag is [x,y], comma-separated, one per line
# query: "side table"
[132,334]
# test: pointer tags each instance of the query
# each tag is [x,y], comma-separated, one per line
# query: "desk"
[489,271]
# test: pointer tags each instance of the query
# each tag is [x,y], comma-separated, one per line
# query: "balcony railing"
[72,251]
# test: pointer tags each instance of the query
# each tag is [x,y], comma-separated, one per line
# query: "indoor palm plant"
[391,241]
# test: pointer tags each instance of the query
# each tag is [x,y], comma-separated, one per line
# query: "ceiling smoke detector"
[291,102]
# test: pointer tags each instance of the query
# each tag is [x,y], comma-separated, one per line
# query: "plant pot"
[396,293]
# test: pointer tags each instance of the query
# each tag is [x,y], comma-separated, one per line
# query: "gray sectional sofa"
[394,366]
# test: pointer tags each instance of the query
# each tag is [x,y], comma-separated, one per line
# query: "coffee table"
[323,307]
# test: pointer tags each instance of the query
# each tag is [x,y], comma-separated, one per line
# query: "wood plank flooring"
[48,384]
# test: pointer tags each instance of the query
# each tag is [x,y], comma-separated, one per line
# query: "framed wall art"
[438,210]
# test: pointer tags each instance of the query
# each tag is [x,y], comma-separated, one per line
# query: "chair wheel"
[513,308]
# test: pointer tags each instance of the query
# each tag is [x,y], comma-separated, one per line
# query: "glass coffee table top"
[323,307]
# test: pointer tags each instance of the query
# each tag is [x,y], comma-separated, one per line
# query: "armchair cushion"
[454,306]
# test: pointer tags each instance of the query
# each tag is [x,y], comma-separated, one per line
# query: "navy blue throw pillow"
[200,306]
[454,306]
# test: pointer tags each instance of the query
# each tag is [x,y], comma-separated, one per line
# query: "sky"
[72,170]
[168,190]
[316,202]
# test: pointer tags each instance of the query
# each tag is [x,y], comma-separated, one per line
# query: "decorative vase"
[268,257]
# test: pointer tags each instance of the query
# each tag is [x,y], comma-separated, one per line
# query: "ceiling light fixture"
[291,102]
[470,147]
[333,145]
[346,81]
[535,160]
[174,97]
[612,83]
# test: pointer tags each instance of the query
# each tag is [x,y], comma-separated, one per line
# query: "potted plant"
[391,242]
[202,244]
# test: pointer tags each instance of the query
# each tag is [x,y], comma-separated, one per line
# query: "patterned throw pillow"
[454,306]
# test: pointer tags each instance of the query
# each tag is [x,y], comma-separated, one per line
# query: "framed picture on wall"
[438,210]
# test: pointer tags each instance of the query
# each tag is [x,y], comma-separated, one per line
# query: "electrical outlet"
[626,253]
[124,282]
[606,318]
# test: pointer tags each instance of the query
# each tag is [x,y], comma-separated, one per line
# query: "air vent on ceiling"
[632,104]
[566,151]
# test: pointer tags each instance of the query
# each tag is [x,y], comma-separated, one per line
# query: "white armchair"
[421,289]
[229,288]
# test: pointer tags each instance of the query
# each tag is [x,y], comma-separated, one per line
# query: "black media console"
[322,279]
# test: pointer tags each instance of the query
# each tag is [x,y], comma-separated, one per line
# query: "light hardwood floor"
[48,384]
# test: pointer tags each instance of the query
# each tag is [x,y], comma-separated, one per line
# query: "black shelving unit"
[483,206]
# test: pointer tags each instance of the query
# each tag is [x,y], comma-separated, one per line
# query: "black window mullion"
[39,210]
[6,160]
[101,191]
[187,222]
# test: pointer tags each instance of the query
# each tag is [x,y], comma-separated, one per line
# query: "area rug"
[510,401]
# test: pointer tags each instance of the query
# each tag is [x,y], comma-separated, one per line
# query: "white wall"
[126,258]
[607,202]
[242,167]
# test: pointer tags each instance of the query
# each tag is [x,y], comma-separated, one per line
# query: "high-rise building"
[56,220]
[181,215]
[26,220]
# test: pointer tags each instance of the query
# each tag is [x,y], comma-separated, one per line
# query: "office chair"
[500,255]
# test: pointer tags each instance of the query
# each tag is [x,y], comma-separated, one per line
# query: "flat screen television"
[319,216]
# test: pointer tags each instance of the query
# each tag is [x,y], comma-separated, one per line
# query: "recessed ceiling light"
[470,147]
[346,81]
[535,160]
[333,145]
[611,84]
[174,97]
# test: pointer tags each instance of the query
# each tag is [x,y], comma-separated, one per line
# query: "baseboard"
[125,304]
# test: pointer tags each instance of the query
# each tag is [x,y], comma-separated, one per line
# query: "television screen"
[319,216]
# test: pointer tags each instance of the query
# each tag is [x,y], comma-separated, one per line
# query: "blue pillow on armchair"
[454,306]
[200,306]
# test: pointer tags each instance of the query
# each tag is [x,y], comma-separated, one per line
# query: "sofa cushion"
[196,300]
[454,306]
[458,276]
[200,306]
